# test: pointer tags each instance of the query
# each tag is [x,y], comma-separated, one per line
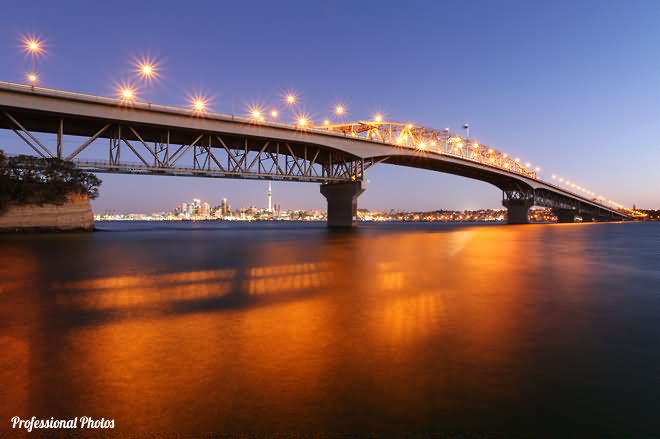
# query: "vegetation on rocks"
[31,180]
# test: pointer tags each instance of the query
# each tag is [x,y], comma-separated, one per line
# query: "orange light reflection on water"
[362,320]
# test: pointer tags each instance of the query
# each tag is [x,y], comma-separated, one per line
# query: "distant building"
[204,210]
[224,207]
[270,198]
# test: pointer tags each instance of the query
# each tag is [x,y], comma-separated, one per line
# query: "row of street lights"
[148,71]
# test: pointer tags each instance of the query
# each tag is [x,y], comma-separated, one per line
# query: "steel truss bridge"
[148,139]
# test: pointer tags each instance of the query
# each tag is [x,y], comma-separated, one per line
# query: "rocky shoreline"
[74,215]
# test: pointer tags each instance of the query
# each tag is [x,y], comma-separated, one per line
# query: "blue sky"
[572,86]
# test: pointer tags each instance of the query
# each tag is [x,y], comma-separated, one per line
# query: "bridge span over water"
[143,138]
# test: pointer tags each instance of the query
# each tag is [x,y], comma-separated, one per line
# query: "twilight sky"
[571,86]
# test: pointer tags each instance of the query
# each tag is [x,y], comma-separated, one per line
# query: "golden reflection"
[409,317]
[128,291]
[284,278]
[458,240]
[148,280]
[473,279]
[14,376]
[20,272]
[18,269]
[146,290]
[402,315]
[392,280]
[175,368]
[136,297]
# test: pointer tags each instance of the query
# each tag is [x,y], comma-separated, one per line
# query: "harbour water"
[285,330]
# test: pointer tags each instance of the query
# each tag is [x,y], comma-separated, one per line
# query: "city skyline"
[541,125]
[201,210]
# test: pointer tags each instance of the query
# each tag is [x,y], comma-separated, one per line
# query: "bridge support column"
[342,203]
[565,215]
[518,213]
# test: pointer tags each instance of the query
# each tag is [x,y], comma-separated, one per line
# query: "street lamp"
[126,93]
[33,79]
[147,69]
[290,98]
[199,104]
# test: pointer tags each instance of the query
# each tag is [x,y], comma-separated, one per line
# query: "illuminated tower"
[270,198]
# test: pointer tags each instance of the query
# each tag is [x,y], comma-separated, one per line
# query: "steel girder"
[200,154]
[540,197]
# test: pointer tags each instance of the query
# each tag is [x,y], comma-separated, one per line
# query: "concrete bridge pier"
[517,211]
[342,203]
[565,215]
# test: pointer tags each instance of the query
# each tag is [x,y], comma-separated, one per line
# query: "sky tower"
[270,198]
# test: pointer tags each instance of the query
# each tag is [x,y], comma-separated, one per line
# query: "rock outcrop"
[74,215]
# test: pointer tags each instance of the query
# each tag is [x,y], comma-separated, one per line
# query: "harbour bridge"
[148,139]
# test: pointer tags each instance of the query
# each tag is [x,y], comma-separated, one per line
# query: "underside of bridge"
[517,196]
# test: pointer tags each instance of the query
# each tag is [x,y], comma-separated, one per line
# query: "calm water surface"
[288,330]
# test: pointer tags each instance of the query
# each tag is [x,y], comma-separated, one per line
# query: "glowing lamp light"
[291,98]
[199,104]
[422,145]
[146,68]
[303,121]
[326,122]
[274,114]
[256,114]
[490,150]
[33,46]
[32,78]
[340,110]
[126,93]
[378,118]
